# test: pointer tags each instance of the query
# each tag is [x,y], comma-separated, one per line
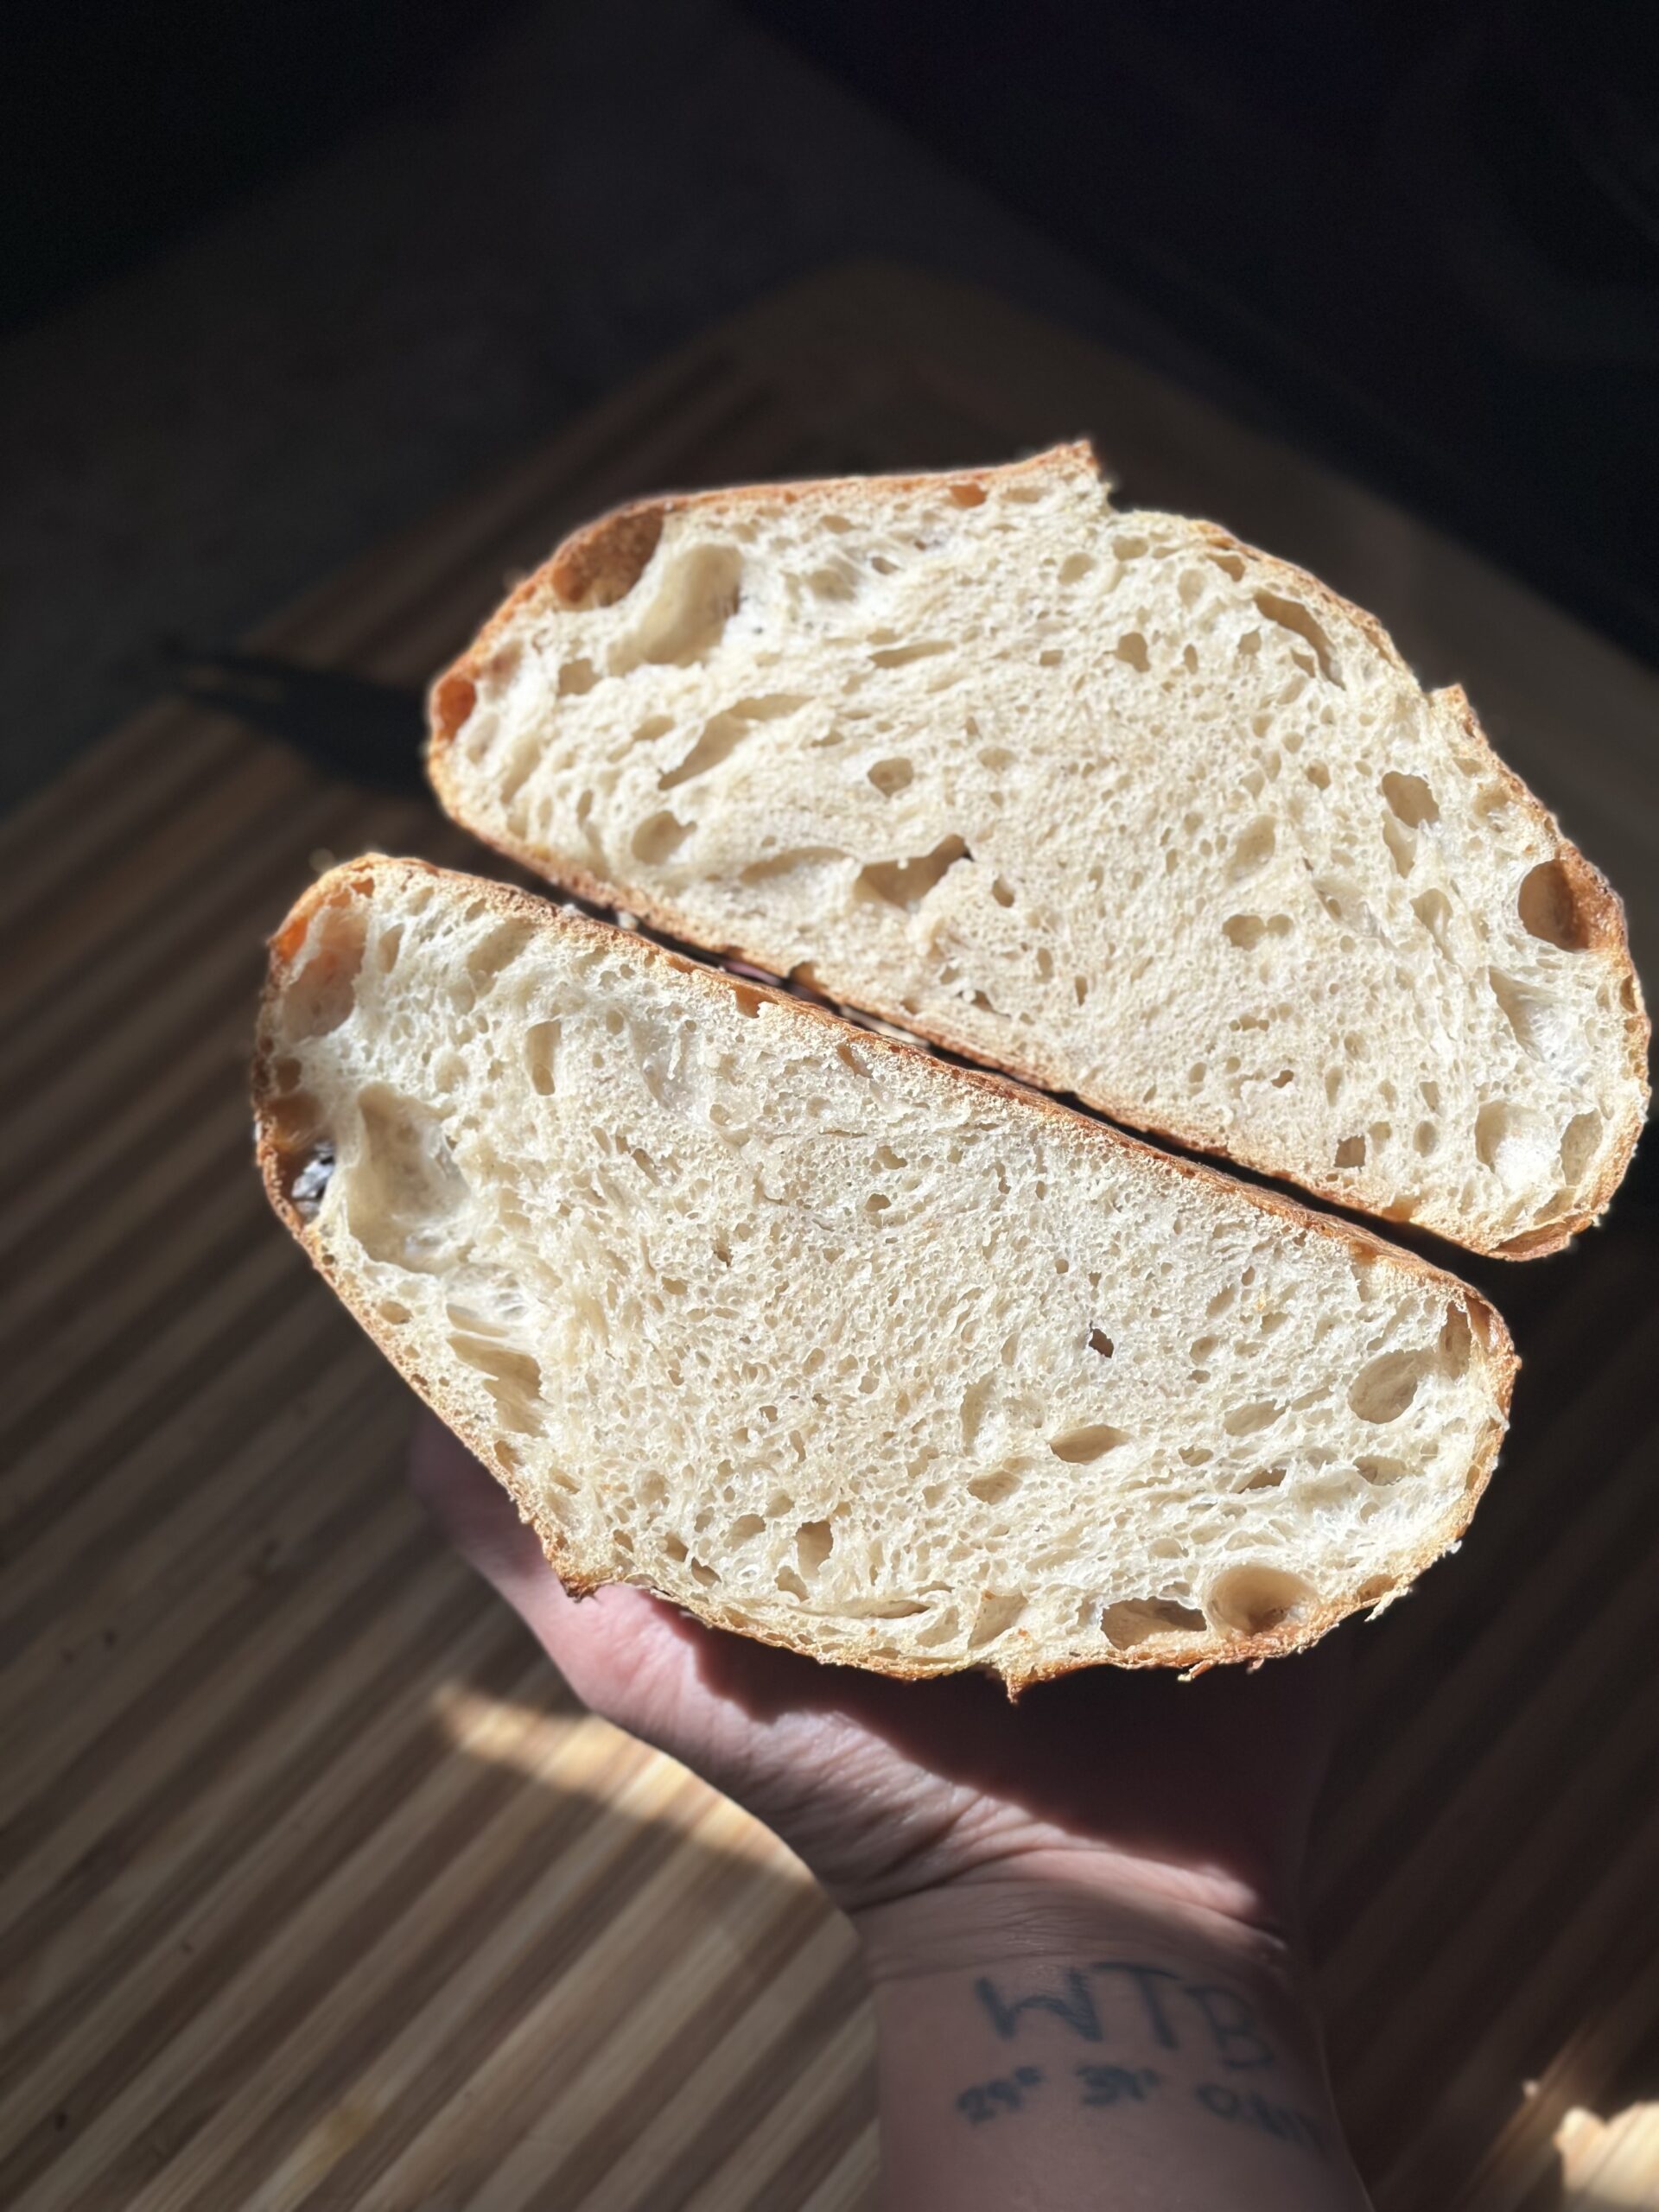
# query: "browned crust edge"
[1601,911]
[596,559]
[275,1157]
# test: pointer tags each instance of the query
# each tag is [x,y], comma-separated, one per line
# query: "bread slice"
[1107,800]
[832,1342]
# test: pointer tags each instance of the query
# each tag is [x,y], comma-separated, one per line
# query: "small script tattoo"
[1112,2085]
[1251,2109]
[1006,2094]
[1133,2003]
[1099,2085]
[1112,1998]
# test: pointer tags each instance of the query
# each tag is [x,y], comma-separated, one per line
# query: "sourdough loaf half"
[1107,800]
[829,1341]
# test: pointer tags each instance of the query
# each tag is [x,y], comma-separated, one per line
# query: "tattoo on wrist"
[1142,2010]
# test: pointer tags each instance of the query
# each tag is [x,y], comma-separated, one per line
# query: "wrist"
[1047,1905]
[1107,2043]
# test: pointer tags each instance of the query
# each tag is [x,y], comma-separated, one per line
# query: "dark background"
[275,279]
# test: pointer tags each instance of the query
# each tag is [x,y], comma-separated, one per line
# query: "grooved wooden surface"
[317,1889]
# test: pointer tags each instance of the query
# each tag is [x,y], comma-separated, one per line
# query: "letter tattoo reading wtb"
[1128,2002]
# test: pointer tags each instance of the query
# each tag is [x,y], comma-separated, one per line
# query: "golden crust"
[604,549]
[279,1149]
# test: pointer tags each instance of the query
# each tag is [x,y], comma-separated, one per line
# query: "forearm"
[1046,2050]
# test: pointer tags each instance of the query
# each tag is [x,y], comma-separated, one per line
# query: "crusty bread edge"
[276,1160]
[600,563]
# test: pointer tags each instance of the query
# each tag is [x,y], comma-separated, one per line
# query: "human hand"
[1077,1912]
[1196,1793]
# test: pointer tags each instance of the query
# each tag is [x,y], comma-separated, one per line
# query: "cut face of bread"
[834,1343]
[1110,801]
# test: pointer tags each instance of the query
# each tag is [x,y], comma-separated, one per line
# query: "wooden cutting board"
[316,1887]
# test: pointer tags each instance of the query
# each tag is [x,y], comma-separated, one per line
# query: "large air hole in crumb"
[1255,1600]
[1409,799]
[814,1542]
[1132,1621]
[320,997]
[1550,908]
[1253,849]
[1132,648]
[793,859]
[1246,1420]
[696,599]
[406,1189]
[995,1617]
[1342,901]
[1247,931]
[512,1378]
[1264,1478]
[1290,615]
[1402,844]
[1433,911]
[496,951]
[576,677]
[542,1057]
[1513,1142]
[521,765]
[975,1402]
[994,1489]
[905,884]
[725,732]
[882,1609]
[891,776]
[1350,1153]
[838,582]
[1100,1342]
[1080,1447]
[943,1628]
[902,655]
[1384,1387]
[1381,1469]
[1535,1016]
[658,837]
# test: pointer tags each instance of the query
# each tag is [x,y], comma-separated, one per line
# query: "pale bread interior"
[829,1341]
[1107,800]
